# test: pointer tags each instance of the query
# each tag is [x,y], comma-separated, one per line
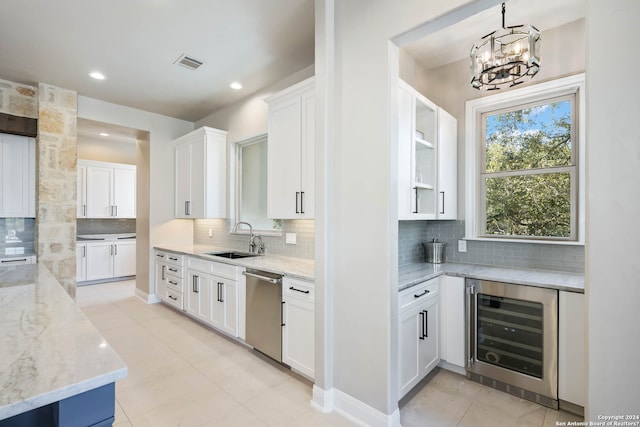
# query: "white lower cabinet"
[169,278]
[109,259]
[81,262]
[211,294]
[571,350]
[453,322]
[418,336]
[298,326]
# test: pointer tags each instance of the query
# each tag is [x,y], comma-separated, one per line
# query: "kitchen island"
[55,367]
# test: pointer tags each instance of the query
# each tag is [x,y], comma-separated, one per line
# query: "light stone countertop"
[414,274]
[49,350]
[300,268]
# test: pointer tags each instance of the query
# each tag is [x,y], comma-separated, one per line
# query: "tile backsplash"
[106,226]
[411,234]
[221,237]
[17,233]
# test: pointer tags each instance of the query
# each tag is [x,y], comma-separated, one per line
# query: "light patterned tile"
[282,404]
[552,417]
[315,418]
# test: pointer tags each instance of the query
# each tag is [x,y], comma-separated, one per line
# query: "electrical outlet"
[211,232]
[290,238]
[462,246]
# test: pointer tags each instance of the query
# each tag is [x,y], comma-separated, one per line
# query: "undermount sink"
[232,254]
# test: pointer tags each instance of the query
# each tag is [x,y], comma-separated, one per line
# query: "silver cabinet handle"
[84,252]
[7,261]
[187,208]
[84,210]
[115,249]
[257,276]
[115,210]
[163,269]
[442,211]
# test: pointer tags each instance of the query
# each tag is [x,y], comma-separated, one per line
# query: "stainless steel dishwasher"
[264,312]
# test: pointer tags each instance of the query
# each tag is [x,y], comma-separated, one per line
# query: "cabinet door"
[298,336]
[99,192]
[307,206]
[81,195]
[405,139]
[453,325]
[183,180]
[198,290]
[429,348]
[571,366]
[447,166]
[224,315]
[81,262]
[17,180]
[124,193]
[283,158]
[124,259]
[409,351]
[198,177]
[161,277]
[99,260]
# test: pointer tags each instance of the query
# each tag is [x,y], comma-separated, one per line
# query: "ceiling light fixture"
[510,55]
[97,75]
[235,85]
[103,134]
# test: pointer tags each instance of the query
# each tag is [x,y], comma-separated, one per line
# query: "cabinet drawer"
[175,271]
[417,294]
[170,258]
[174,298]
[224,270]
[300,289]
[174,283]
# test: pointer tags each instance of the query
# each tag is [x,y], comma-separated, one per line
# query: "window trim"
[474,109]
[237,185]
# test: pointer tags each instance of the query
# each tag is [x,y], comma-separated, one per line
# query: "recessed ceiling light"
[97,75]
[235,85]
[103,134]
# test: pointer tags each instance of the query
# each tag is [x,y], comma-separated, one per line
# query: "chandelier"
[508,56]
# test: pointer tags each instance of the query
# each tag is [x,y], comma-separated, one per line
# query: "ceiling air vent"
[189,62]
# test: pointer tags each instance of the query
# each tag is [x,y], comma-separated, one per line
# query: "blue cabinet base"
[93,408]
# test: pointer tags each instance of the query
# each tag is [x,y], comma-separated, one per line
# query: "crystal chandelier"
[508,56]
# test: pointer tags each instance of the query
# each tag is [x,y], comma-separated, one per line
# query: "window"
[524,151]
[251,185]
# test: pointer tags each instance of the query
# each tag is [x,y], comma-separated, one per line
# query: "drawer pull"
[173,298]
[175,270]
[173,283]
[173,259]
[426,291]
[299,290]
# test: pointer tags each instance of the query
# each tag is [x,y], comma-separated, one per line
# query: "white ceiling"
[256,42]
[454,43]
[135,42]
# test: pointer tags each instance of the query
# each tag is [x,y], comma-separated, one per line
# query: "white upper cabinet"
[427,158]
[290,155]
[106,190]
[201,174]
[17,177]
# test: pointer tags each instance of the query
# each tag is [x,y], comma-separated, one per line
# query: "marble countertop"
[289,266]
[49,350]
[414,274]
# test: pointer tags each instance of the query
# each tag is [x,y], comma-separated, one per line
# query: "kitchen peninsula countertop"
[412,274]
[49,350]
[289,266]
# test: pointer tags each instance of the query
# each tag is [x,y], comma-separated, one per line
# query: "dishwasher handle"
[266,279]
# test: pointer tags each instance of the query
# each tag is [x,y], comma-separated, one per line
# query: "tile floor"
[183,374]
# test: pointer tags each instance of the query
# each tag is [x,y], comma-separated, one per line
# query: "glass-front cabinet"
[421,182]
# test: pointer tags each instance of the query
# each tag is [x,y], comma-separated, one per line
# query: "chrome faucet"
[251,244]
[260,246]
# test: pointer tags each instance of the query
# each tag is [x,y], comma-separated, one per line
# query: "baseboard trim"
[149,299]
[353,409]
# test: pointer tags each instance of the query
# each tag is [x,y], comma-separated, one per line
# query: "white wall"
[613,209]
[358,176]
[106,151]
[159,168]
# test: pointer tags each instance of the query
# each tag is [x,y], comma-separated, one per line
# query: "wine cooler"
[512,336]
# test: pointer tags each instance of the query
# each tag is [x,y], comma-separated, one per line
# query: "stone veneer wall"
[18,99]
[56,184]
